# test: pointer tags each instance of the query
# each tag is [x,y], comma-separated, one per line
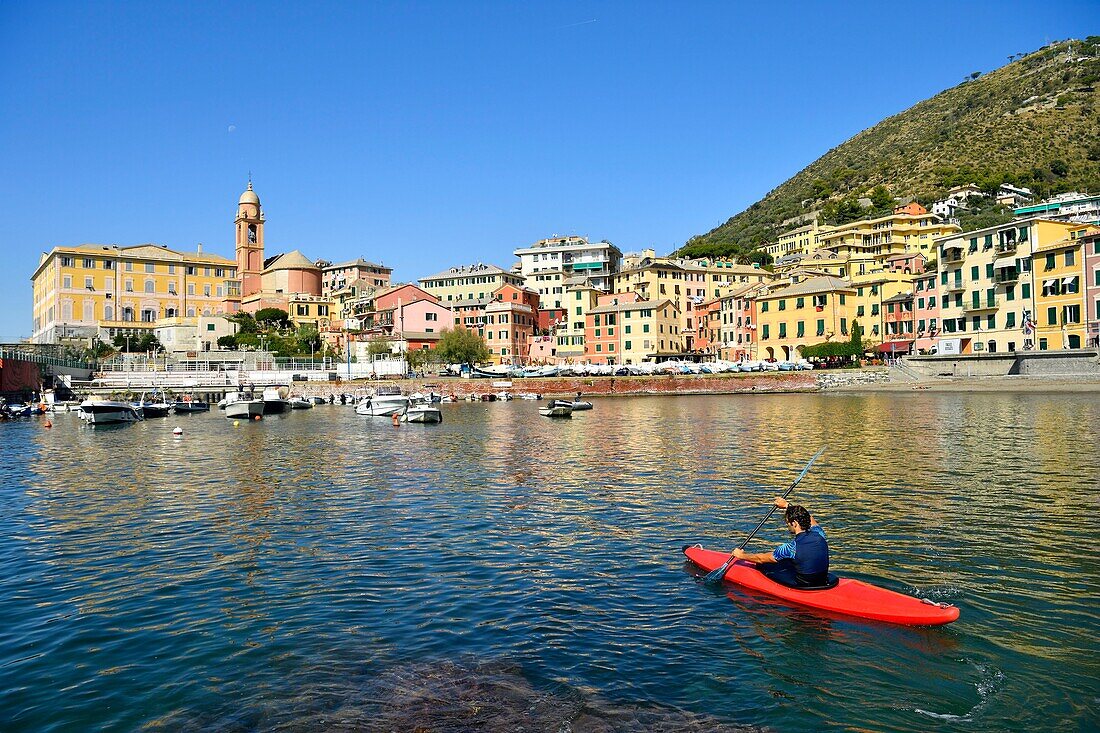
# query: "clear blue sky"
[425,135]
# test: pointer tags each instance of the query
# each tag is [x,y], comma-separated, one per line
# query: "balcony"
[1005,275]
[954,286]
[952,254]
[1006,247]
[986,304]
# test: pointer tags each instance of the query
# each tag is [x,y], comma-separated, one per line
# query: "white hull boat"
[106,412]
[383,405]
[557,408]
[242,405]
[423,414]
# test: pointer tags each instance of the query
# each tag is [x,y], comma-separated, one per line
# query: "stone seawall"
[588,386]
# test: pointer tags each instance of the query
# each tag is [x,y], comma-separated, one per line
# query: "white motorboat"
[581,405]
[105,412]
[423,414]
[243,405]
[153,407]
[504,396]
[529,396]
[385,402]
[275,399]
[557,408]
[300,403]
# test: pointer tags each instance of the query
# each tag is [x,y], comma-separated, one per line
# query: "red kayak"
[848,597]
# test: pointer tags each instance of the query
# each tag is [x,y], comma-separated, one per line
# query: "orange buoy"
[257,417]
[47,424]
[396,421]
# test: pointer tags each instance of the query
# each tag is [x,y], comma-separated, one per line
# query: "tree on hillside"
[245,322]
[882,201]
[276,317]
[459,346]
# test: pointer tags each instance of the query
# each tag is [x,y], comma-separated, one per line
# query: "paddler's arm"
[753,556]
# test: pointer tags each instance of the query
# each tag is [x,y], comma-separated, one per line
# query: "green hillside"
[1034,122]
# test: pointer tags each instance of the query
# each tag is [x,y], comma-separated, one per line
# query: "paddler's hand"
[781,502]
[739,554]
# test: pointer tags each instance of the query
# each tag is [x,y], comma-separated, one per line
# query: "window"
[801,302]
[783,305]
[645,328]
[764,307]
[628,329]
[920,303]
[1010,292]
[1052,316]
[88,283]
[1071,314]
[108,265]
[150,286]
[599,347]
[1050,261]
[991,320]
[1025,290]
[67,281]
[801,329]
[150,267]
[171,269]
[842,298]
[859,311]
[783,330]
[1069,258]
[89,264]
[206,290]
[765,332]
[989,270]
[844,325]
[821,327]
[209,326]
[1010,321]
[974,272]
[431,316]
[931,301]
[626,344]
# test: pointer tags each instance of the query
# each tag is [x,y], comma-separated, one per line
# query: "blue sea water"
[325,571]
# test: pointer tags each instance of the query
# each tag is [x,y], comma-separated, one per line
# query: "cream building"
[866,242]
[569,257]
[197,334]
[469,282]
[106,290]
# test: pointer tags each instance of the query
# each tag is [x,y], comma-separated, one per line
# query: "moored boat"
[385,402]
[275,399]
[423,413]
[557,408]
[243,405]
[105,412]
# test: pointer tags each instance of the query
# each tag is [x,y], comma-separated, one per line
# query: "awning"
[894,347]
[1068,280]
[1002,262]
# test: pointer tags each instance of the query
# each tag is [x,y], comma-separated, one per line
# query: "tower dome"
[249,196]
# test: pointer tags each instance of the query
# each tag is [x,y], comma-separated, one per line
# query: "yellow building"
[107,290]
[310,310]
[469,282]
[631,332]
[578,301]
[988,286]
[805,312]
[800,241]
[909,229]
[1060,310]
[685,282]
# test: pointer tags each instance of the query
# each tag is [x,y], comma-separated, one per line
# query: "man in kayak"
[802,562]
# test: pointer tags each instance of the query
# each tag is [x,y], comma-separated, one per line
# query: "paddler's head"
[797,518]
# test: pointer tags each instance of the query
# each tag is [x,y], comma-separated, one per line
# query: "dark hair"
[796,513]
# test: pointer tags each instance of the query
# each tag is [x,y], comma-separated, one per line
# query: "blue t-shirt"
[786,551]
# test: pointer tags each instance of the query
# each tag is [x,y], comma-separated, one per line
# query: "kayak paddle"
[715,576]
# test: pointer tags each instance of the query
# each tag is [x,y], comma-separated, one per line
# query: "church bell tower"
[250,241]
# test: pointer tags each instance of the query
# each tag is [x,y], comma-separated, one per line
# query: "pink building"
[906,262]
[1091,241]
[737,313]
[898,324]
[926,313]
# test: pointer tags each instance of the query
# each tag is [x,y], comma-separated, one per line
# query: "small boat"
[315,400]
[275,399]
[189,404]
[153,408]
[300,403]
[581,405]
[449,399]
[244,405]
[844,595]
[557,408]
[529,396]
[504,396]
[385,401]
[423,413]
[105,412]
